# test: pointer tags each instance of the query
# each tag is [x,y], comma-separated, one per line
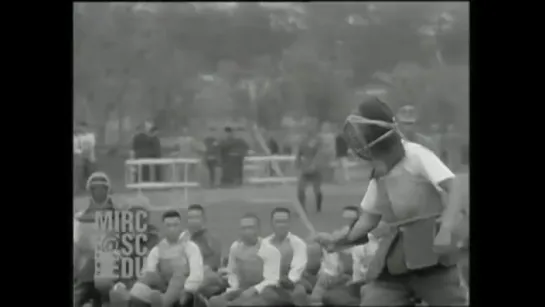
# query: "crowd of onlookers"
[223,150]
[218,152]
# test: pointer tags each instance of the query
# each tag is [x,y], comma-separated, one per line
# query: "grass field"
[225,207]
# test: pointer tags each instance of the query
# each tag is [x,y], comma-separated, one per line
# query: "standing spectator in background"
[241,151]
[233,152]
[275,150]
[211,156]
[143,147]
[406,118]
[87,143]
[341,152]
[227,146]
[310,164]
[155,144]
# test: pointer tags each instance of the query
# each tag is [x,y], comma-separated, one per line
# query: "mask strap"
[356,119]
[382,137]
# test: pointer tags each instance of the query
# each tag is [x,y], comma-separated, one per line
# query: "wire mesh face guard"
[354,135]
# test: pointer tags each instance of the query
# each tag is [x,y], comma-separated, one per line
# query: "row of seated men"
[184,268]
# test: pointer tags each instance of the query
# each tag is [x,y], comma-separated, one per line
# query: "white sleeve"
[358,272]
[300,258]
[369,202]
[196,267]
[92,144]
[431,167]
[232,277]
[271,266]
[77,231]
[152,261]
[77,145]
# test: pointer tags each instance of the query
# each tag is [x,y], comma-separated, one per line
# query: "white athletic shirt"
[77,145]
[85,144]
[420,162]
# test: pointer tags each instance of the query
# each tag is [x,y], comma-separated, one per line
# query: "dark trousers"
[314,179]
[226,172]
[232,170]
[211,165]
[238,168]
[437,286]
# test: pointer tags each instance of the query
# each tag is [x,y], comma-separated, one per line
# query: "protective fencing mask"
[362,133]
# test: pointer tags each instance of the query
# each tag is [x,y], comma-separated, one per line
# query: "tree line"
[180,61]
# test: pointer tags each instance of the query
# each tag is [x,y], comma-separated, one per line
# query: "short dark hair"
[352,208]
[251,215]
[196,207]
[281,209]
[171,213]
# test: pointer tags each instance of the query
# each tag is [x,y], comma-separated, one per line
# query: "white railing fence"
[175,174]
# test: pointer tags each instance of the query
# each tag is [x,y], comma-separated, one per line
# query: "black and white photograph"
[271,154]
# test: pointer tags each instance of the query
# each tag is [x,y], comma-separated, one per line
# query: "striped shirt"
[294,255]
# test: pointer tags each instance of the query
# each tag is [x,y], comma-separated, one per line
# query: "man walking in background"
[309,163]
[341,151]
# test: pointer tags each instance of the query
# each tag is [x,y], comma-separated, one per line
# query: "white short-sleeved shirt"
[87,143]
[419,162]
[77,145]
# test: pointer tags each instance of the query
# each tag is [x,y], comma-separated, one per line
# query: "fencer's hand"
[323,238]
[443,241]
